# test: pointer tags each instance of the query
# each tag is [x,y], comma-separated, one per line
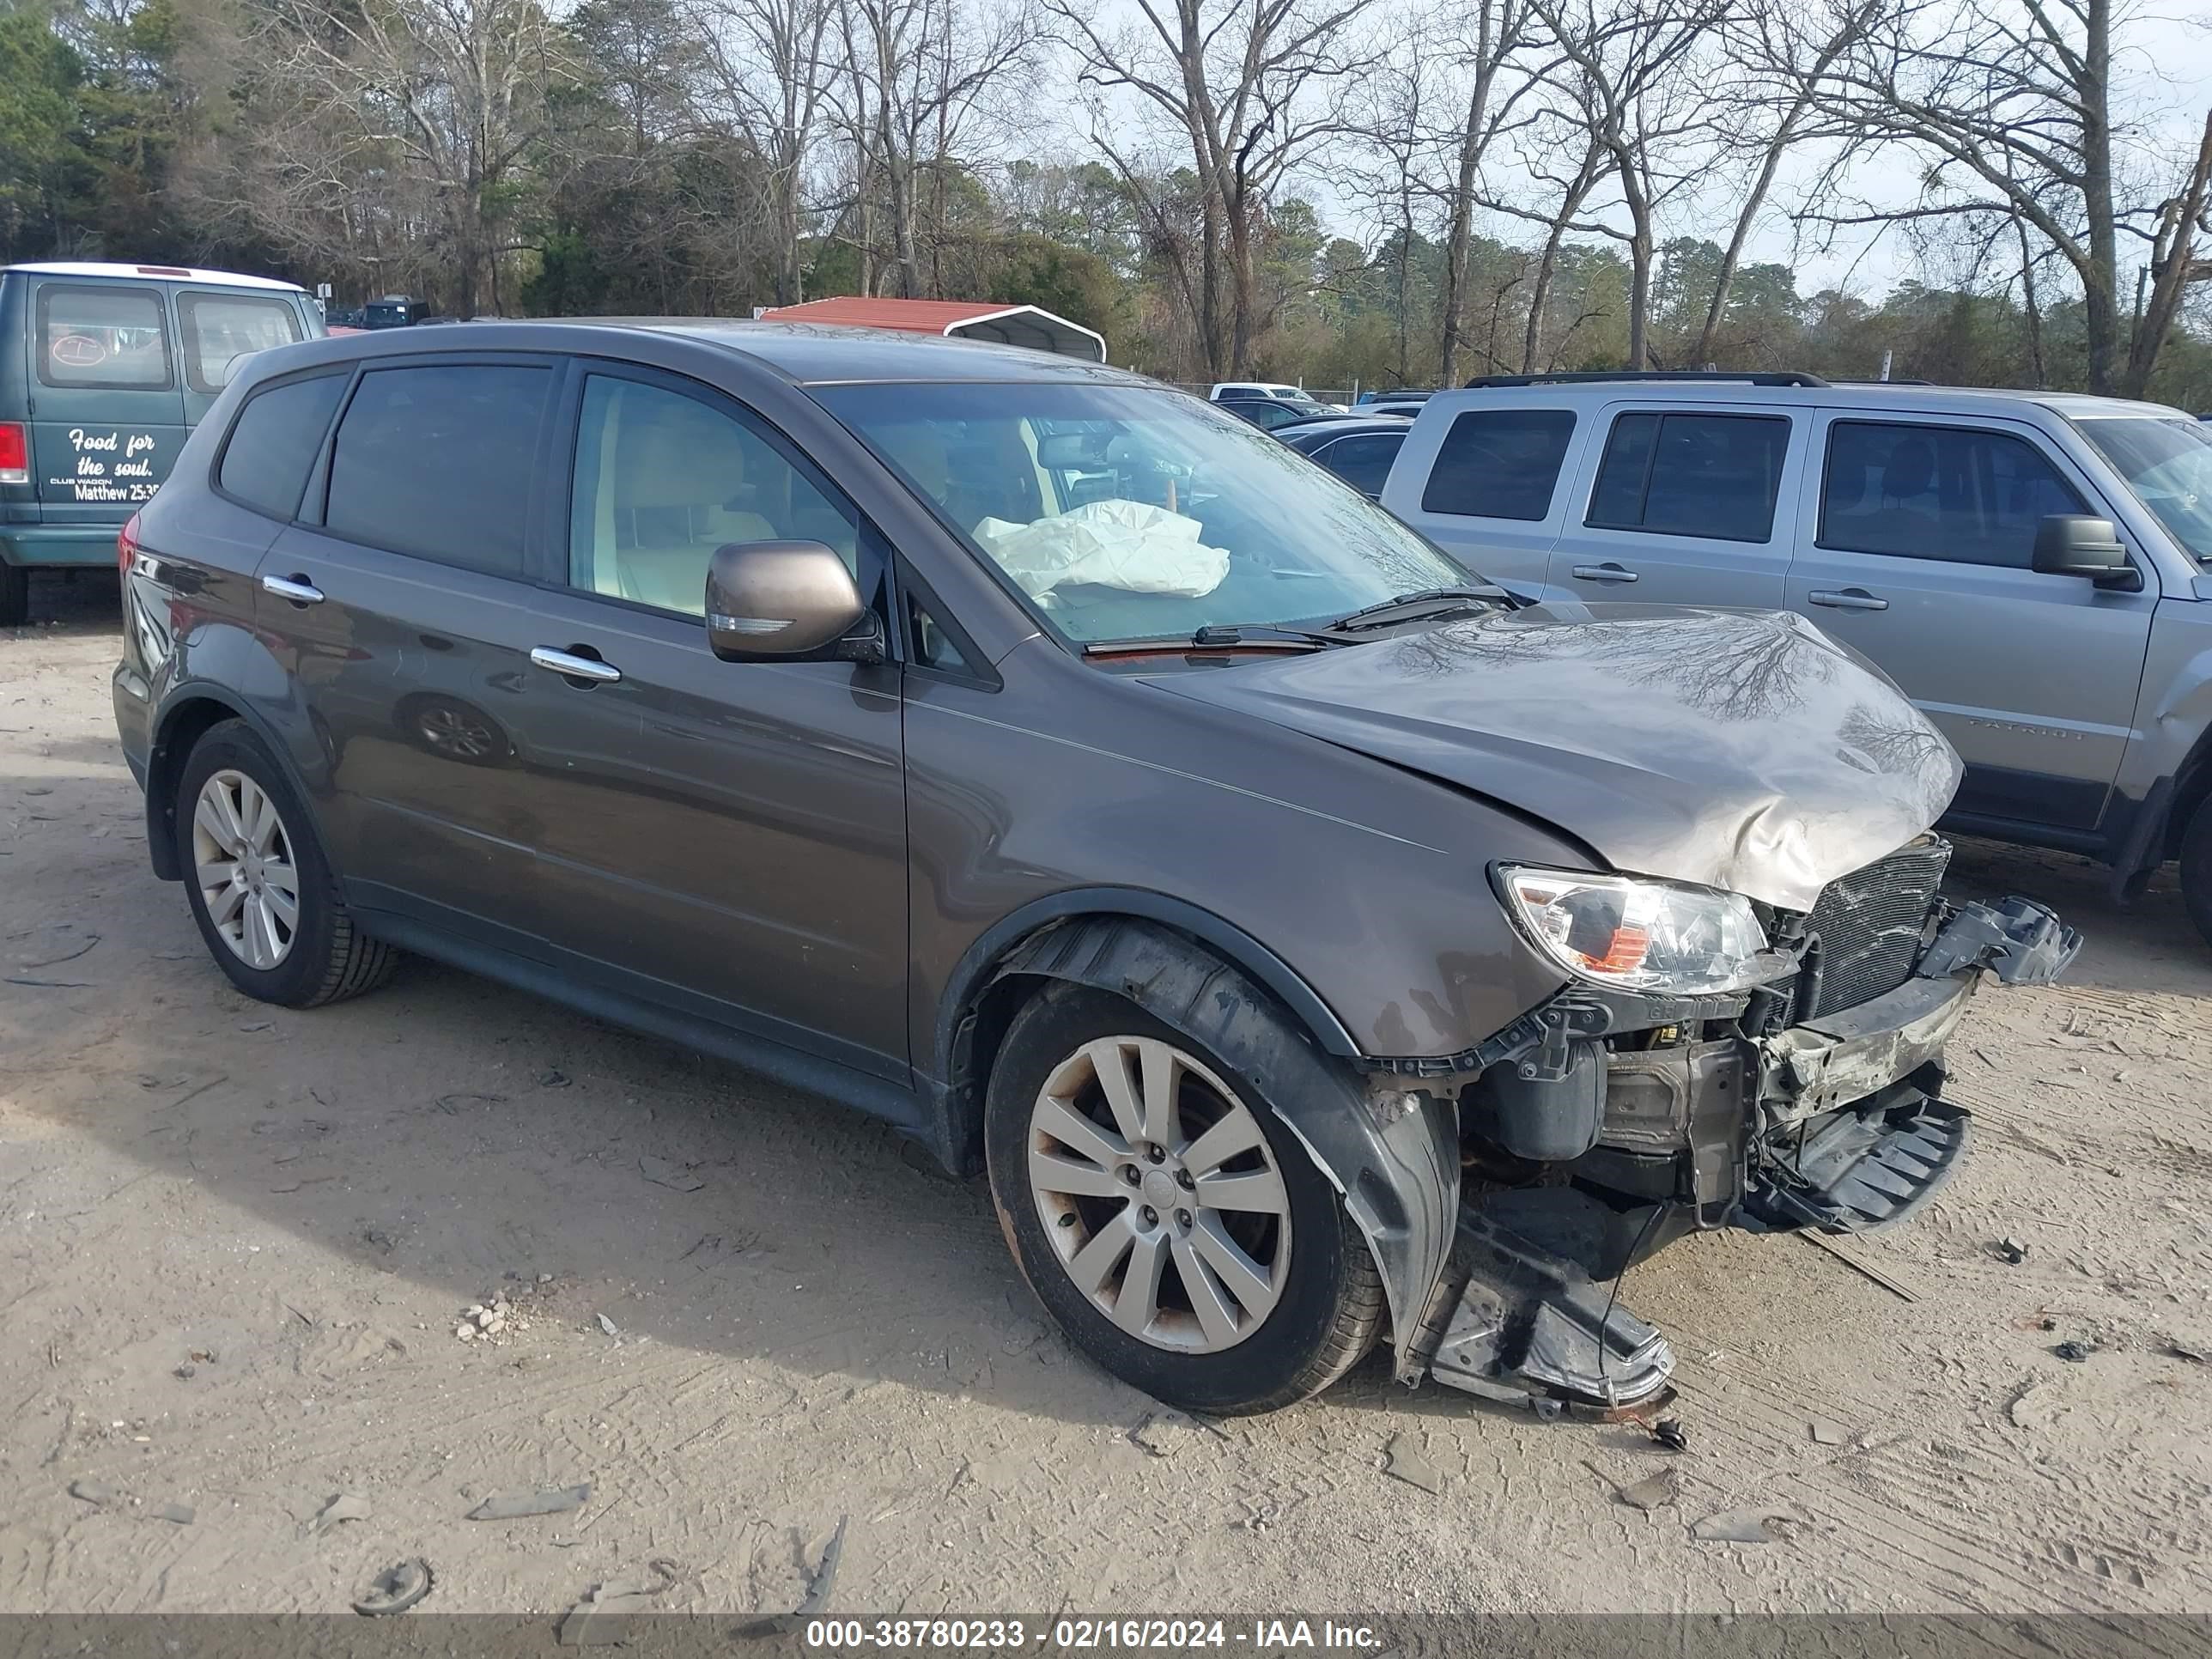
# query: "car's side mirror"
[787,602]
[2075,544]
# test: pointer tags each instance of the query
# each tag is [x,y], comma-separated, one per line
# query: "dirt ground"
[235,1242]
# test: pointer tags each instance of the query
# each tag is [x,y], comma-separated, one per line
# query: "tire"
[1327,1304]
[14,595]
[322,956]
[2197,869]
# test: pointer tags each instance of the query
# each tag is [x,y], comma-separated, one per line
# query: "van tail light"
[15,453]
[126,544]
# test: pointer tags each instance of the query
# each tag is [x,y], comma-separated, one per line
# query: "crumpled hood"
[1741,750]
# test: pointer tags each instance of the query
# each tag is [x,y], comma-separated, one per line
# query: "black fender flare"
[1393,1155]
[162,764]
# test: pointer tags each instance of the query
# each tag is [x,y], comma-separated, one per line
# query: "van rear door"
[221,328]
[106,401]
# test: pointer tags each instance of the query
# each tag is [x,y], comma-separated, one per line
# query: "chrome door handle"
[575,667]
[1849,599]
[298,589]
[1607,572]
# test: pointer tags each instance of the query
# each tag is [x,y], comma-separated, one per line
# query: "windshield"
[1129,513]
[2167,462]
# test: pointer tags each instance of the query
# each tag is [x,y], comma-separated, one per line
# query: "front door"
[729,837]
[107,413]
[1678,506]
[1914,549]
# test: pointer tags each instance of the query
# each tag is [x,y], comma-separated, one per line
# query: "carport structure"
[958,320]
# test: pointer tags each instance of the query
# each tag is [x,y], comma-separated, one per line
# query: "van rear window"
[102,337]
[222,330]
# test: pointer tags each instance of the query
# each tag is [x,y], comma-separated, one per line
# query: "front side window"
[222,330]
[273,445]
[1960,493]
[1499,464]
[1713,475]
[439,461]
[1123,512]
[2167,462]
[102,337]
[663,479]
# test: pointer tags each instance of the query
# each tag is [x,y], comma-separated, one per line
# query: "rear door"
[1483,485]
[1915,545]
[1679,506]
[106,399]
[1362,460]
[401,601]
[219,328]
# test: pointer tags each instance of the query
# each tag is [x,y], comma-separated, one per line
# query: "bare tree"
[1239,80]
[2010,105]
[771,68]
[1481,53]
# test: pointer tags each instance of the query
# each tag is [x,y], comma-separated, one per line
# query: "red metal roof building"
[958,320]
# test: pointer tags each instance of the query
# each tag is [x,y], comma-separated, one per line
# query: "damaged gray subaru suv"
[1315,943]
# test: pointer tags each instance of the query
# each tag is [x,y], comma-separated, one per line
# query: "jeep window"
[663,479]
[438,461]
[279,431]
[1121,512]
[1715,476]
[102,337]
[1499,464]
[1956,493]
[222,330]
[2167,462]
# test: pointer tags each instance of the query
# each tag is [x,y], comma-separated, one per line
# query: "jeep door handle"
[294,587]
[1607,572]
[1849,599]
[575,667]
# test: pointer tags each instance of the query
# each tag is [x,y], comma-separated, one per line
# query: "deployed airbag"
[1130,545]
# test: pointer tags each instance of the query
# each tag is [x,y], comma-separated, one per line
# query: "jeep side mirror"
[2075,544]
[787,602]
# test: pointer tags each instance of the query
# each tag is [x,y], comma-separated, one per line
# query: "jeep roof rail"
[1785,377]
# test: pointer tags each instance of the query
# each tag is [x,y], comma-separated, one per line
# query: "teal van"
[104,369]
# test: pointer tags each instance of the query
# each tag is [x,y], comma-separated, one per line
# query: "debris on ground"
[1668,1431]
[396,1588]
[343,1506]
[820,1578]
[185,1373]
[1403,1461]
[515,1505]
[2075,1352]
[2183,1351]
[1826,1433]
[1859,1265]
[602,1616]
[2011,1250]
[674,1176]
[1737,1527]
[549,1079]
[608,1326]
[93,1491]
[495,1316]
[825,1575]
[180,1514]
[1654,1492]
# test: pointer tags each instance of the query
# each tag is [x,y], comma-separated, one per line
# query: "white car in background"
[1230,391]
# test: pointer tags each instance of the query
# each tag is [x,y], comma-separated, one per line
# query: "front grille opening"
[1866,930]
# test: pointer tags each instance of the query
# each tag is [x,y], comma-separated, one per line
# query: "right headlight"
[1636,934]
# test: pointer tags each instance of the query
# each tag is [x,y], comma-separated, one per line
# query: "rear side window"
[274,443]
[437,460]
[1938,492]
[222,330]
[1716,476]
[102,337]
[1499,464]
[1362,462]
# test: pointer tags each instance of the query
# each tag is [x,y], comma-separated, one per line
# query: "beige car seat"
[669,468]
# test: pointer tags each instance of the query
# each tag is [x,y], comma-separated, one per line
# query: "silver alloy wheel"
[448,729]
[1160,1195]
[242,860]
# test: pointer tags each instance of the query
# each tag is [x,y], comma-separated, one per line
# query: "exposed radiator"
[1871,926]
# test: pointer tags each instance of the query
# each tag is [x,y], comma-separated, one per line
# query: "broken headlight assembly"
[1634,934]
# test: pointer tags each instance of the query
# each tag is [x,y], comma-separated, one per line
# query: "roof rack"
[1785,377]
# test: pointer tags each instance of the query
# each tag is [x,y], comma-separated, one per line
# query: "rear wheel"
[2196,868]
[1166,1217]
[262,893]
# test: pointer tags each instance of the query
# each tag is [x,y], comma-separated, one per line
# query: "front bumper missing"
[1842,1131]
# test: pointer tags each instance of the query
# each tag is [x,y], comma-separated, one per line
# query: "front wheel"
[2196,868]
[1170,1222]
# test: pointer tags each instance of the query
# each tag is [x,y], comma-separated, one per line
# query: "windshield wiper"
[1423,599]
[1216,636]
